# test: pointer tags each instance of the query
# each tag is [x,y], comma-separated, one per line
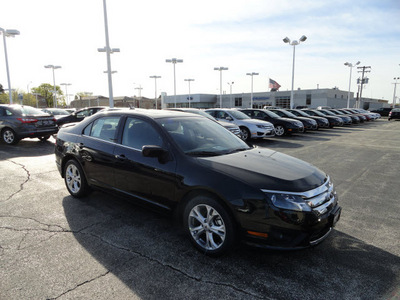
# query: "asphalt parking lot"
[53,246]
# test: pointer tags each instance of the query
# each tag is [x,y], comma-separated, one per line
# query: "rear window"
[28,110]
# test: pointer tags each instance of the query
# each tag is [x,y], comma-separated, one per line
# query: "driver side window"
[138,133]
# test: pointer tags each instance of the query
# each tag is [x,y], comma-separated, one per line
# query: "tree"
[1,89]
[46,91]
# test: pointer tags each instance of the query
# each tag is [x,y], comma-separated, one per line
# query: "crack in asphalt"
[59,229]
[21,187]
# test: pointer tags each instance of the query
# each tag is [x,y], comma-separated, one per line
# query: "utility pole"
[363,70]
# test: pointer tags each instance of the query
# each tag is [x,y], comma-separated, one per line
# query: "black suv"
[20,121]
[282,125]
[220,188]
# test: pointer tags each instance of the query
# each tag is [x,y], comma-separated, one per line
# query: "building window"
[308,99]
[283,102]
[238,101]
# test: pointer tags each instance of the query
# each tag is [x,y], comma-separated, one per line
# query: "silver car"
[250,128]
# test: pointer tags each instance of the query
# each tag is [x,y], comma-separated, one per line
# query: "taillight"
[27,120]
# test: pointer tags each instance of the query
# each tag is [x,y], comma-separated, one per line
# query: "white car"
[250,128]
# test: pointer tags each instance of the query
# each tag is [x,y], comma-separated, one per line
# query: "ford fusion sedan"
[251,129]
[283,126]
[20,121]
[79,115]
[346,119]
[221,189]
[394,114]
[333,121]
[321,121]
[309,124]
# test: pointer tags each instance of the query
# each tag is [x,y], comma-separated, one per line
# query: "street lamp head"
[357,63]
[286,40]
[347,64]
[303,38]
[11,32]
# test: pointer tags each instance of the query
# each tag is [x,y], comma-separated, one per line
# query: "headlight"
[289,201]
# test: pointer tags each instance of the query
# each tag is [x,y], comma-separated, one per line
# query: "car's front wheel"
[279,130]
[245,133]
[209,226]
[9,137]
[75,179]
[44,138]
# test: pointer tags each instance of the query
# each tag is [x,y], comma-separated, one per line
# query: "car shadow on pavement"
[152,256]
[27,148]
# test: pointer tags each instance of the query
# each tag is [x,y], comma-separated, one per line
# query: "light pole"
[155,87]
[174,61]
[139,93]
[189,80]
[294,44]
[394,92]
[66,90]
[251,97]
[108,51]
[350,65]
[220,69]
[54,82]
[8,33]
[230,90]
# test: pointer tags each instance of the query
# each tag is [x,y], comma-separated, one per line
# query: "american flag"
[273,85]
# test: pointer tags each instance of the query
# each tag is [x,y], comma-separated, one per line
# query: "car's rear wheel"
[44,138]
[245,133]
[75,180]
[279,130]
[209,226]
[9,137]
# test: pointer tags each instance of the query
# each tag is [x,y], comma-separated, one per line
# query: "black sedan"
[282,125]
[79,115]
[353,114]
[333,121]
[20,121]
[394,114]
[354,119]
[308,123]
[220,188]
[321,121]
[346,119]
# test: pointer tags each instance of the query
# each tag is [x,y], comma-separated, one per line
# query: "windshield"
[271,114]
[338,112]
[238,115]
[317,113]
[299,113]
[327,112]
[286,113]
[56,112]
[202,137]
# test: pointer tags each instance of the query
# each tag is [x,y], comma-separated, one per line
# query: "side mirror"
[228,118]
[155,151]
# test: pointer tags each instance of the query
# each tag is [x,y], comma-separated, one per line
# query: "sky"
[243,35]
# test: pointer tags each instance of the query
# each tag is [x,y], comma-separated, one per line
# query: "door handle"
[121,157]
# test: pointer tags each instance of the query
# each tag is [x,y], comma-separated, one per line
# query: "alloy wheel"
[73,178]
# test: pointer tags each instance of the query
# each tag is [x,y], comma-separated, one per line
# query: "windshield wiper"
[237,150]
[203,153]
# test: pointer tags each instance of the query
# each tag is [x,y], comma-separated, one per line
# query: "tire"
[9,137]
[75,179]
[44,138]
[209,226]
[280,130]
[245,133]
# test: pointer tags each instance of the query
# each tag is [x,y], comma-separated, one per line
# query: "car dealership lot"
[55,246]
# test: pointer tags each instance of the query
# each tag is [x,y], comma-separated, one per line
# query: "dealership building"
[334,98]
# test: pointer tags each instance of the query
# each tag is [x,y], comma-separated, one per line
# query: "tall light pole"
[108,51]
[351,66]
[155,87]
[189,80]
[139,93]
[294,44]
[394,92]
[251,97]
[230,92]
[66,90]
[8,33]
[174,61]
[54,83]
[220,69]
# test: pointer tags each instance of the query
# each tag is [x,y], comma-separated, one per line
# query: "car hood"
[267,169]
[253,121]
[227,124]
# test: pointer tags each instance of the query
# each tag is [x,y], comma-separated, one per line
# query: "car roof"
[151,113]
